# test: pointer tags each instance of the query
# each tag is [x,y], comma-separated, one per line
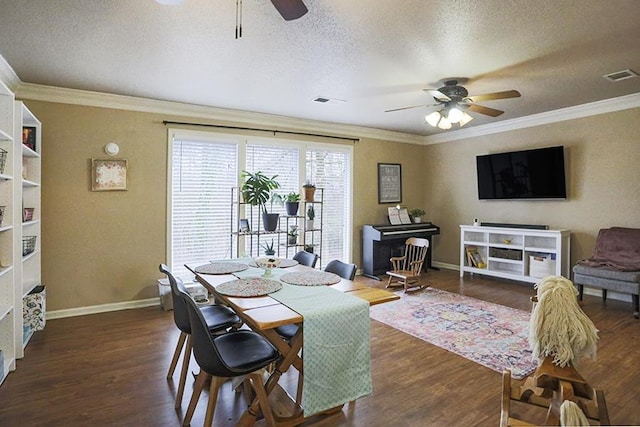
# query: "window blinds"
[203,173]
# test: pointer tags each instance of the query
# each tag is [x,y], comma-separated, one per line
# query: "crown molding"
[37,92]
[570,113]
[8,76]
[122,102]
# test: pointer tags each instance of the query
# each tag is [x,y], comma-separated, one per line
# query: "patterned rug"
[492,335]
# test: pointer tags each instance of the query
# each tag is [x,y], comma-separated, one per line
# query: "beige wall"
[602,156]
[104,247]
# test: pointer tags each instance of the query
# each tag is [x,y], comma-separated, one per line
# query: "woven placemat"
[284,263]
[221,267]
[255,287]
[310,278]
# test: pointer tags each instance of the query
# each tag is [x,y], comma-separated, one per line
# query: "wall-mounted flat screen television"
[527,174]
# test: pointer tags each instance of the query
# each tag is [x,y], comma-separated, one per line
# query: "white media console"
[521,254]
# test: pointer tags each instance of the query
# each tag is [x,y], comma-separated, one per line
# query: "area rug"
[492,335]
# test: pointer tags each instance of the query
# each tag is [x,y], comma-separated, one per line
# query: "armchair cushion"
[614,265]
[617,248]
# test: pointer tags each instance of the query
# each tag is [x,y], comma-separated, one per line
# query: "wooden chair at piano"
[406,270]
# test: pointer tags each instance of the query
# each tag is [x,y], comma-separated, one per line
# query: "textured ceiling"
[373,54]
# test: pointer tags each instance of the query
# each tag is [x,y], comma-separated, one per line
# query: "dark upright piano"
[381,242]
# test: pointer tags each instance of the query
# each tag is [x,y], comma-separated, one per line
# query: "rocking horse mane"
[558,327]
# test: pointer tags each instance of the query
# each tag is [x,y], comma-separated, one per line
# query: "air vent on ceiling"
[327,100]
[620,75]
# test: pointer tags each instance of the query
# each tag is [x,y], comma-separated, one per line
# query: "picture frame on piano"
[389,183]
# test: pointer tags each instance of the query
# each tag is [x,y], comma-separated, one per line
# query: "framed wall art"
[389,183]
[108,175]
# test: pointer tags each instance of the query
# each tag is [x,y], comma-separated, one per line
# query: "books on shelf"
[474,258]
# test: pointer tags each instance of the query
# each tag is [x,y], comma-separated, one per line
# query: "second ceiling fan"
[455,101]
[290,9]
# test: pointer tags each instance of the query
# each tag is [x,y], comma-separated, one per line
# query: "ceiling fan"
[289,9]
[455,101]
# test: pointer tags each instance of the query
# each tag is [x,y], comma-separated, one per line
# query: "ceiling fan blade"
[413,106]
[484,110]
[404,108]
[290,9]
[496,95]
[438,95]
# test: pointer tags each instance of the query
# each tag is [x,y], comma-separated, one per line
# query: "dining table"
[331,345]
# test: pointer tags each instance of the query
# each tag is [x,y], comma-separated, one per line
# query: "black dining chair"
[342,269]
[217,317]
[233,354]
[306,258]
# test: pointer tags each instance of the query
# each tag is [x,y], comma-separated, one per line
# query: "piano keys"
[381,242]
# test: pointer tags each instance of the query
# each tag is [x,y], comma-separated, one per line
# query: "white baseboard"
[587,291]
[446,266]
[150,302]
[81,311]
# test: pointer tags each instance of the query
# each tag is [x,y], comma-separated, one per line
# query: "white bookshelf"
[8,309]
[506,252]
[28,270]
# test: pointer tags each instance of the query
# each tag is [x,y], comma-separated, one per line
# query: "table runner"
[337,359]
[336,354]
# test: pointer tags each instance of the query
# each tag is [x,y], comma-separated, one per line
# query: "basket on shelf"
[2,208]
[3,159]
[28,244]
[27,214]
[513,254]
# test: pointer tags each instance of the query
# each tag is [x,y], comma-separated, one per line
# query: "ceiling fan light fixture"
[444,123]
[455,115]
[433,118]
[466,118]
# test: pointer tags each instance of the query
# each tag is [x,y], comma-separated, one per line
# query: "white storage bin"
[541,266]
[196,290]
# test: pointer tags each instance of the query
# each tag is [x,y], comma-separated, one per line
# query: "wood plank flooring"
[109,369]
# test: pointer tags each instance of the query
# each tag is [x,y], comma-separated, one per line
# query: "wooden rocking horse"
[560,334]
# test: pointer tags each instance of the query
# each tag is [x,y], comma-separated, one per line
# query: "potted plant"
[292,235]
[268,248]
[257,190]
[292,203]
[416,214]
[309,247]
[309,191]
[311,214]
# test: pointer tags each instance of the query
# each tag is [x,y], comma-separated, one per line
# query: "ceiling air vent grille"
[327,100]
[620,75]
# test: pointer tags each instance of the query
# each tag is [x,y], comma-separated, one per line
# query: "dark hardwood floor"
[109,369]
